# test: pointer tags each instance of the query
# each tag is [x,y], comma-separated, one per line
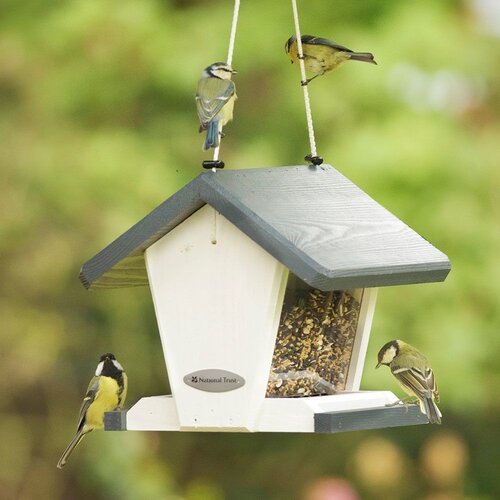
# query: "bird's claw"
[396,403]
[403,402]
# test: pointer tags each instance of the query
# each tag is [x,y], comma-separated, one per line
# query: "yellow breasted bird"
[106,392]
[322,55]
[215,98]
[412,371]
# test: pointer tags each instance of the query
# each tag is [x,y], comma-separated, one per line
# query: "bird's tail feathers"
[429,407]
[363,56]
[69,449]
[212,137]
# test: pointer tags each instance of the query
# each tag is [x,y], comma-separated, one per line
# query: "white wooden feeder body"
[226,318]
[217,256]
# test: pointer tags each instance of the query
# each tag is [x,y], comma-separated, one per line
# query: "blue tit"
[322,55]
[106,392]
[412,371]
[215,98]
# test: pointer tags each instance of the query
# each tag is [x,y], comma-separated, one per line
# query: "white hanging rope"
[307,102]
[229,62]
[233,32]
[216,150]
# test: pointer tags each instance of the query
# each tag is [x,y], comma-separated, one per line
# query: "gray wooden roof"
[316,222]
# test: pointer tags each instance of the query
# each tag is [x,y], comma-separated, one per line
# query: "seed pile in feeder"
[314,344]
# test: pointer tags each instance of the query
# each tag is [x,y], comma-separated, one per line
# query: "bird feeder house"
[264,284]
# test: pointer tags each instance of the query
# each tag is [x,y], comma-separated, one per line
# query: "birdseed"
[314,343]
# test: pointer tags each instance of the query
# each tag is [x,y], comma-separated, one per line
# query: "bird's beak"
[378,365]
[234,72]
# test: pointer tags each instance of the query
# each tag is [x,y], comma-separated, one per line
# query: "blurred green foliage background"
[98,126]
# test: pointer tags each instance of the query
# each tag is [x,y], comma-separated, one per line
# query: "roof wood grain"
[314,220]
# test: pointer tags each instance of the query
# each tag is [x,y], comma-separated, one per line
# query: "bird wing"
[212,94]
[90,396]
[420,381]
[316,40]
[122,395]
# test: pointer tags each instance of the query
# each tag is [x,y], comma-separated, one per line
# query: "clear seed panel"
[314,342]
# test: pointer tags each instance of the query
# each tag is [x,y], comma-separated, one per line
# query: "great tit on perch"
[412,371]
[322,55]
[106,392]
[215,98]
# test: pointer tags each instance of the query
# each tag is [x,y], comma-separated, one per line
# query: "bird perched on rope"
[322,55]
[106,392]
[412,371]
[215,98]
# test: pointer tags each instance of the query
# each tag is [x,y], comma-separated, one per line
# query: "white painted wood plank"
[218,307]
[297,414]
[361,339]
[155,413]
[158,413]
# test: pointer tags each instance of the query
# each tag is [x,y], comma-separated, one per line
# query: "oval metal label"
[214,380]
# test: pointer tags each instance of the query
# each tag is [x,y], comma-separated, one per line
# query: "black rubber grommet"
[209,164]
[315,160]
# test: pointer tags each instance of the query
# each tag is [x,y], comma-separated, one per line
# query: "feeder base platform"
[328,414]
